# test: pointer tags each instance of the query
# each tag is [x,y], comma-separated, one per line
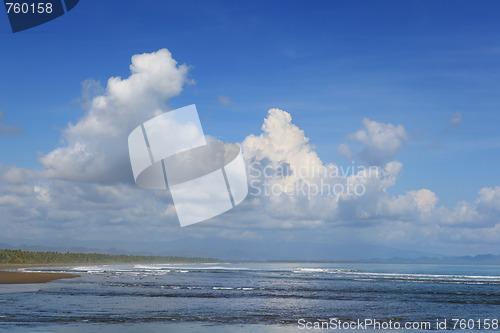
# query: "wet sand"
[13,277]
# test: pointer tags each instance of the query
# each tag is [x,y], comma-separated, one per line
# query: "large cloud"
[287,178]
[96,146]
[86,186]
[290,182]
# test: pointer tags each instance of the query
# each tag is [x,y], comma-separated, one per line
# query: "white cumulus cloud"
[380,142]
[292,183]
[96,145]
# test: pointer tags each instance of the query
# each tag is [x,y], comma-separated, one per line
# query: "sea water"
[256,297]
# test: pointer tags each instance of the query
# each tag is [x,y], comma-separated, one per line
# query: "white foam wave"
[417,277]
[323,270]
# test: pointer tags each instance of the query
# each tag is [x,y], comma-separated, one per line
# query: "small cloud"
[6,130]
[343,150]
[380,142]
[425,199]
[224,100]
[456,119]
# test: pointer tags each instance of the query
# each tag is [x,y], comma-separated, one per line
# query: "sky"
[408,88]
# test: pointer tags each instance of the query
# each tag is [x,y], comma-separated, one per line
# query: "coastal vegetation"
[31,257]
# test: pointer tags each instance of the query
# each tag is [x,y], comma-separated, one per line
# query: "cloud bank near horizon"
[85,188]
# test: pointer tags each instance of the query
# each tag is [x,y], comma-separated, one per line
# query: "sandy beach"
[13,277]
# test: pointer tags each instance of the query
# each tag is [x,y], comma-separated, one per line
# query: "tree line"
[38,257]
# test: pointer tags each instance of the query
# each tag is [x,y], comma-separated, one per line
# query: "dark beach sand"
[12,277]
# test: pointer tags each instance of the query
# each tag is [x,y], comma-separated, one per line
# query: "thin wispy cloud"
[6,130]
[224,100]
[456,119]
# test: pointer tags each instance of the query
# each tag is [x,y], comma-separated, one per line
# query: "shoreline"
[15,277]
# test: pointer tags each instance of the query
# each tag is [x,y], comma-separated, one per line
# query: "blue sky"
[329,64]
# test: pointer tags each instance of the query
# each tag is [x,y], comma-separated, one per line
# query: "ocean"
[256,297]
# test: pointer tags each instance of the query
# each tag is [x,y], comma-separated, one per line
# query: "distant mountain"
[481,259]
